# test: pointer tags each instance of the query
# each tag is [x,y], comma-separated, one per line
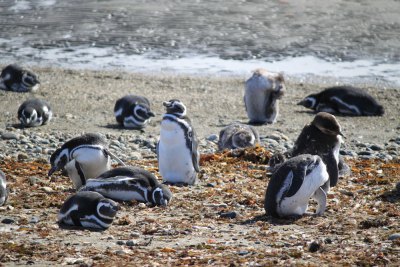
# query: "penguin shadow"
[119,127]
[271,220]
[78,228]
[19,126]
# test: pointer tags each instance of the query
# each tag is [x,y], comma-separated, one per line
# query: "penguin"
[262,92]
[237,135]
[34,112]
[15,78]
[130,183]
[343,100]
[133,112]
[3,189]
[88,210]
[293,184]
[323,137]
[177,148]
[83,157]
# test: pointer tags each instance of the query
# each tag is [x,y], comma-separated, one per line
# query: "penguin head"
[279,87]
[142,111]
[28,116]
[327,124]
[309,102]
[242,139]
[107,208]
[161,195]
[176,107]
[311,163]
[58,160]
[29,79]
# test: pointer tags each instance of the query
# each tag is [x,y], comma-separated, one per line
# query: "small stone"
[120,242]
[229,214]
[135,234]
[8,221]
[131,243]
[9,136]
[314,247]
[394,236]
[32,180]
[22,156]
[376,147]
[243,252]
[364,153]
[142,205]
[275,137]
[398,187]
[34,219]
[212,138]
[135,156]
[211,185]
[47,189]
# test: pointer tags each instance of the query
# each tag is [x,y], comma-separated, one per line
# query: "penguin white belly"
[175,158]
[298,203]
[256,102]
[92,161]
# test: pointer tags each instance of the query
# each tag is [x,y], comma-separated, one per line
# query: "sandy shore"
[220,221]
[83,101]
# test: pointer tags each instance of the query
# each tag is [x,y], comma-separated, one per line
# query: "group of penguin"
[307,171]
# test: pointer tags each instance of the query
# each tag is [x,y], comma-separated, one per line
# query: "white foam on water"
[301,67]
[20,5]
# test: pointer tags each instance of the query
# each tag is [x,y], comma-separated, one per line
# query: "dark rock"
[8,221]
[314,247]
[243,252]
[120,242]
[9,136]
[229,214]
[364,153]
[394,236]
[211,185]
[131,243]
[376,147]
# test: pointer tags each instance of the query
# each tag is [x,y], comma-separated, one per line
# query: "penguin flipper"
[320,197]
[108,152]
[332,169]
[195,152]
[344,108]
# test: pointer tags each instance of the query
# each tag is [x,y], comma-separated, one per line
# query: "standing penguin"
[130,183]
[83,157]
[89,210]
[34,112]
[14,78]
[3,189]
[133,111]
[322,137]
[262,92]
[345,100]
[237,135]
[293,184]
[177,148]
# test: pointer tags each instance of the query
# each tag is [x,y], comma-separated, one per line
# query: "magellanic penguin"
[133,111]
[130,183]
[88,210]
[344,100]
[237,135]
[322,137]
[14,78]
[177,148]
[3,189]
[34,112]
[262,92]
[293,184]
[83,157]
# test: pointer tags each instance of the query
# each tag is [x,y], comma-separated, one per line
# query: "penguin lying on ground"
[262,92]
[177,148]
[237,135]
[34,112]
[344,100]
[293,184]
[3,189]
[14,78]
[133,111]
[130,183]
[83,157]
[89,210]
[322,137]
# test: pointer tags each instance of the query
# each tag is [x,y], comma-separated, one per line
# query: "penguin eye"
[190,134]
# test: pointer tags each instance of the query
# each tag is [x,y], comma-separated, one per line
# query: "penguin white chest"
[175,158]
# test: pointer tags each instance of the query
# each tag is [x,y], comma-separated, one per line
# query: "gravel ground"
[219,221]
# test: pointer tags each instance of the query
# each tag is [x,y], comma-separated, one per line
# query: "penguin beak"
[301,103]
[53,170]
[166,104]
[341,134]
[150,114]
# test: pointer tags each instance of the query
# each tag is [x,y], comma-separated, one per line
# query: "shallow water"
[350,39]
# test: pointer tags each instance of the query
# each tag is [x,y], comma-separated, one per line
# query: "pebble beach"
[220,220]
